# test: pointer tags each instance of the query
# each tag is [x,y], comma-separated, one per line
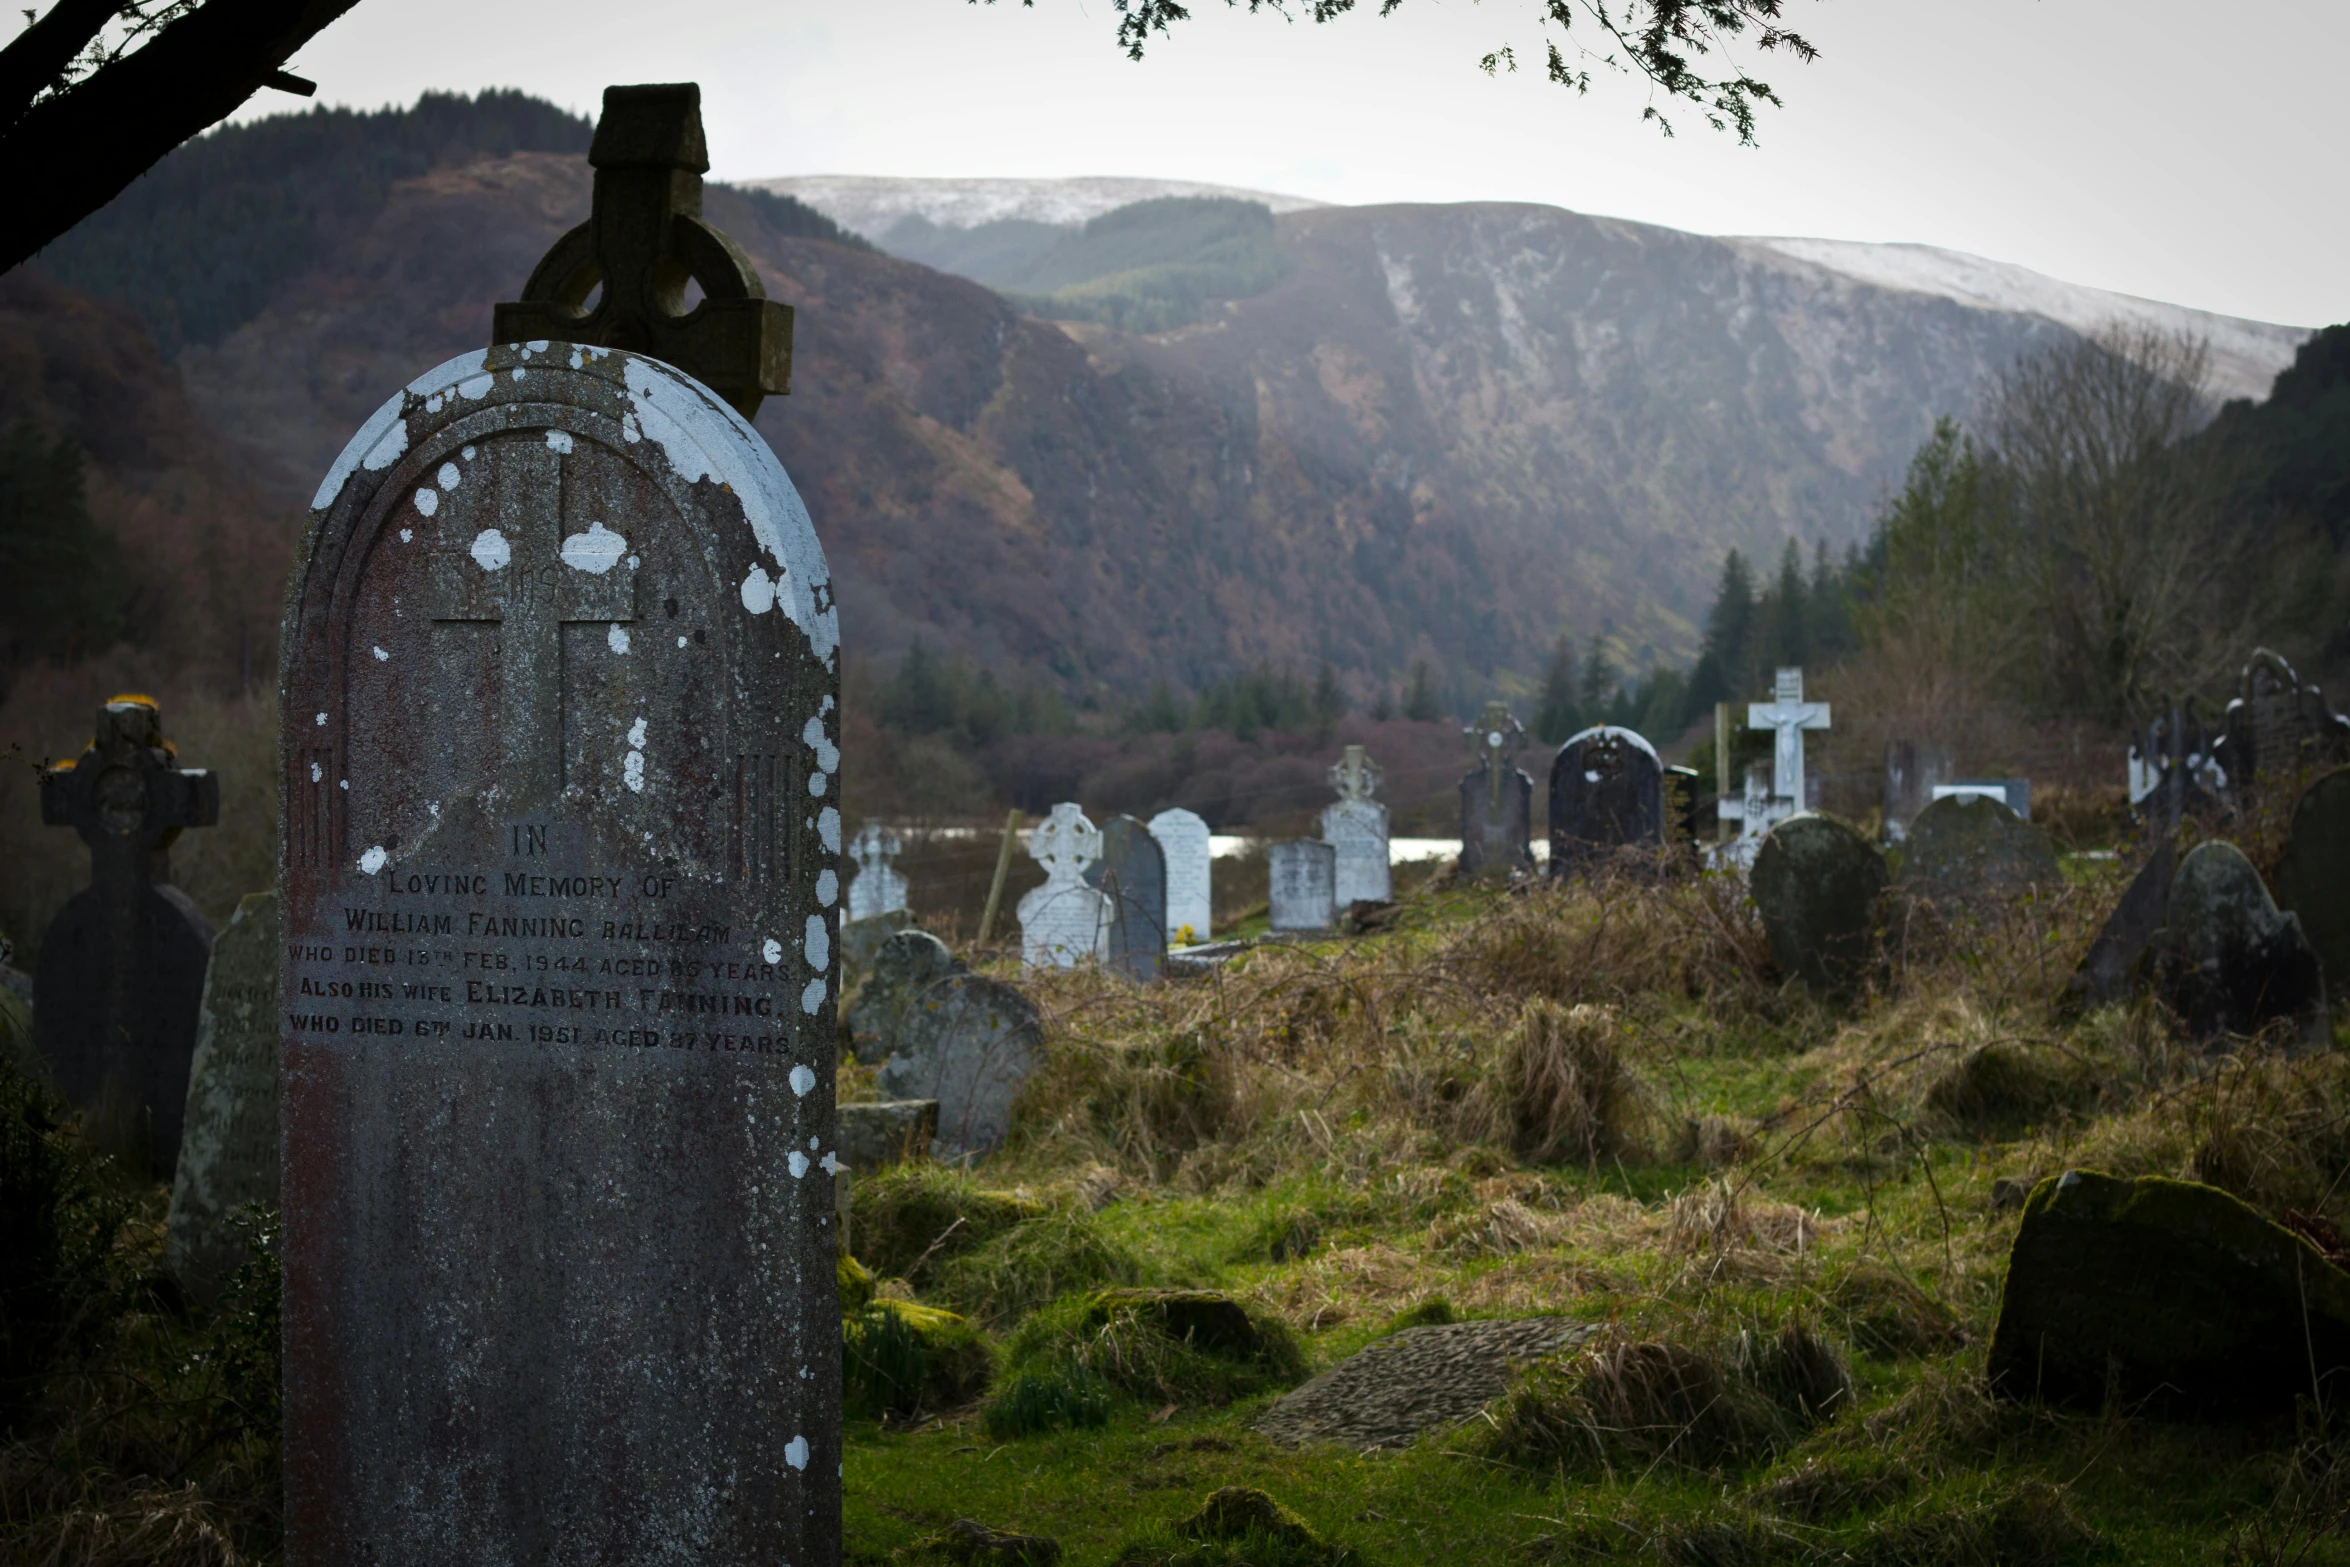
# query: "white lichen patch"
[322,720]
[490,550]
[827,886]
[428,501]
[381,656]
[449,477]
[803,1081]
[818,946]
[374,860]
[596,551]
[632,767]
[317,773]
[795,1452]
[407,535]
[798,1164]
[758,591]
[559,441]
[831,1163]
[813,737]
[812,997]
[617,639]
[772,951]
[817,784]
[827,825]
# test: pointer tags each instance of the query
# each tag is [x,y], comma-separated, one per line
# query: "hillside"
[1439,433]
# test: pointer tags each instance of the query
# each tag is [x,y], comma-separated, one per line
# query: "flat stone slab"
[1415,1381]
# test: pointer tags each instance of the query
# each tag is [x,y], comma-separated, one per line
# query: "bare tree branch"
[76,150]
[37,58]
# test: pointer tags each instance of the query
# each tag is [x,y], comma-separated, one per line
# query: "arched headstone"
[1356,827]
[2230,962]
[1184,838]
[1971,851]
[1606,793]
[560,728]
[1817,884]
[1132,874]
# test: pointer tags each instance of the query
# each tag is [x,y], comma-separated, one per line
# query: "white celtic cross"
[1356,776]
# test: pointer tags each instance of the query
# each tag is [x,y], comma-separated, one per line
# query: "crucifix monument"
[1497,800]
[560,716]
[121,976]
[1788,715]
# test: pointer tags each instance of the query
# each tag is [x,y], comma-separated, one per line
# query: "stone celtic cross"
[1790,715]
[518,569]
[1355,776]
[1065,844]
[874,848]
[121,974]
[1494,740]
[643,243]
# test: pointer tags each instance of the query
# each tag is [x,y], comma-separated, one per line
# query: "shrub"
[59,1221]
[1993,1523]
[1885,1314]
[1048,1398]
[1180,1346]
[916,1217]
[898,1358]
[1041,1258]
[1559,1089]
[1237,1525]
[1999,1090]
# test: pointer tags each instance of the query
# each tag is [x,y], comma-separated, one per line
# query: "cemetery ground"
[1784,1218]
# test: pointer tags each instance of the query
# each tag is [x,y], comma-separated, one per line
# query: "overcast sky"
[2184,152]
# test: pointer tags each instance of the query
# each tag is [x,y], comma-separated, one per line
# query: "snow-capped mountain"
[872,205]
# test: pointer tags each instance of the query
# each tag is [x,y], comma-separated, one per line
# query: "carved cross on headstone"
[643,244]
[1355,776]
[1495,739]
[1790,715]
[516,567]
[122,971]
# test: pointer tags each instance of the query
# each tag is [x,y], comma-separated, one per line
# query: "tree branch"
[75,152]
[37,57]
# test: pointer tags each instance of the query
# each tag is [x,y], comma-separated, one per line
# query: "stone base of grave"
[1415,1381]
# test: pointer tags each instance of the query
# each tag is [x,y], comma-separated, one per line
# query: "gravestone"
[1356,827]
[228,1147]
[1606,793]
[1971,851]
[2277,725]
[2172,772]
[1817,883]
[1682,787]
[2229,961]
[2014,793]
[1302,875]
[1912,769]
[940,1032]
[1067,920]
[878,888]
[1497,800]
[2109,970]
[1184,839]
[559,721]
[121,975]
[1782,791]
[861,940]
[2313,876]
[1132,874]
[877,1134]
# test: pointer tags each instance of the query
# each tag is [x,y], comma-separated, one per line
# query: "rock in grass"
[2232,962]
[1816,882]
[1415,1381]
[2171,1295]
[967,1541]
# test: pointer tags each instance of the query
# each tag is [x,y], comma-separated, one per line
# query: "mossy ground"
[1598,1101]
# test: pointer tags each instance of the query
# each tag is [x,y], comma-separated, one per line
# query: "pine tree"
[1789,638]
[1598,676]
[1560,715]
[1419,703]
[1724,663]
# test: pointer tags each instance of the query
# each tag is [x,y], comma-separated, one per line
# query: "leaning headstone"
[878,888]
[1606,793]
[940,1032]
[1497,800]
[1132,874]
[1303,877]
[560,705]
[2313,876]
[861,940]
[1184,839]
[1912,769]
[228,1147]
[2230,962]
[121,975]
[2110,969]
[1817,884]
[877,1134]
[1356,827]
[1971,851]
[1067,920]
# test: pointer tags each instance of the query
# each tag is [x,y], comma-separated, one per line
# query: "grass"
[1775,1208]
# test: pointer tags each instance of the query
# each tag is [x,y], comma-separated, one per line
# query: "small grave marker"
[1497,800]
[558,1033]
[1303,881]
[2229,961]
[1132,874]
[1184,838]
[1971,851]
[121,974]
[1606,793]
[1356,827]
[1067,920]
[229,1145]
[1817,883]
[879,887]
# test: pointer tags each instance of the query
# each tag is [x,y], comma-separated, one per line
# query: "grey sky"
[2186,153]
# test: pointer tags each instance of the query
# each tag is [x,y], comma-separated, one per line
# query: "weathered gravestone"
[878,1133]
[2277,725]
[878,888]
[939,1031]
[121,975]
[1356,827]
[1497,800]
[1302,876]
[1817,883]
[1184,839]
[1132,874]
[1972,852]
[228,1147]
[559,1012]
[2173,773]
[2109,970]
[1606,793]
[2313,877]
[1912,769]
[2014,793]
[2229,961]
[1067,920]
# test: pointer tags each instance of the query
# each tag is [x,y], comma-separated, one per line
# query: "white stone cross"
[879,888]
[1356,776]
[1790,715]
[1064,921]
